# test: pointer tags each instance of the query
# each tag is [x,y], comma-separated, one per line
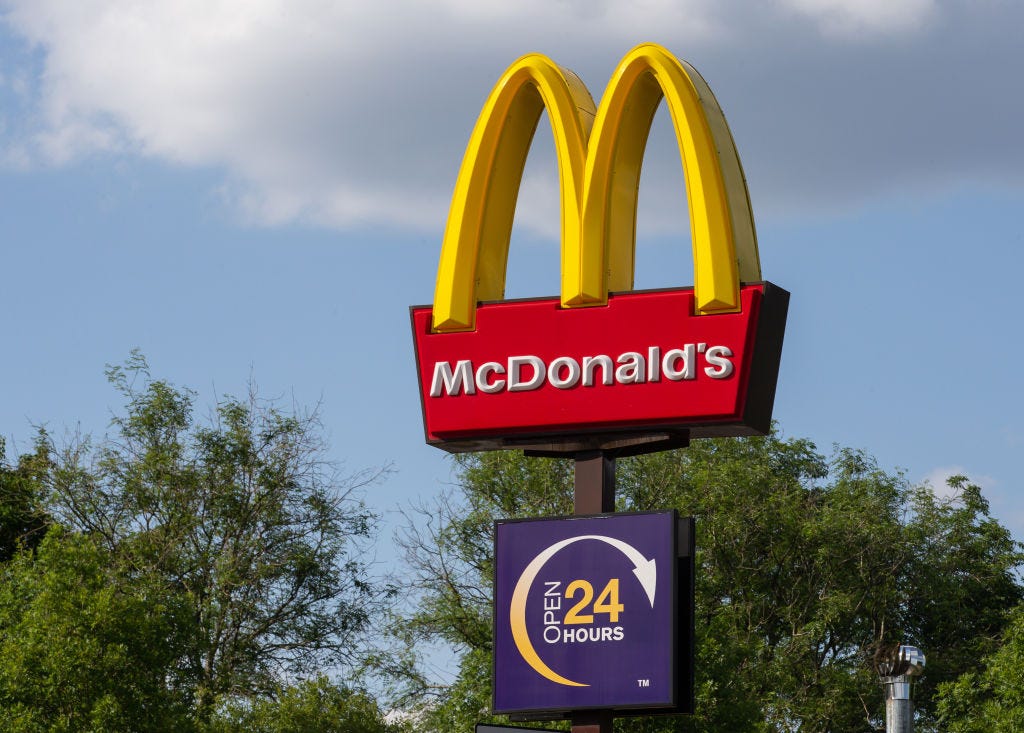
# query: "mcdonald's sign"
[603,364]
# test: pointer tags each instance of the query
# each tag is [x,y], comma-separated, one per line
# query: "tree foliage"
[87,645]
[23,520]
[989,699]
[313,706]
[238,522]
[807,567]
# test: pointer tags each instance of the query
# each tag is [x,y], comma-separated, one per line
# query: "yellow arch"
[474,252]
[599,180]
[721,222]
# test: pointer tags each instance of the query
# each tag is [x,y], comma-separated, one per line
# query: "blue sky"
[258,189]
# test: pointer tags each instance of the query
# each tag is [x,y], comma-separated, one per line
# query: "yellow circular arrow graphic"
[644,570]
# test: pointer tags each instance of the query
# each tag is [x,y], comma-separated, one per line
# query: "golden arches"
[599,175]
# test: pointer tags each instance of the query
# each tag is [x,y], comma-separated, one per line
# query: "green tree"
[448,550]
[314,706]
[241,514]
[807,566]
[86,645]
[990,699]
[23,521]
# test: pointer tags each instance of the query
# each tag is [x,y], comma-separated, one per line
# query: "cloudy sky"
[257,189]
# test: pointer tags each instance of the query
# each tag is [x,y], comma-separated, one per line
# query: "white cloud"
[1005,504]
[859,17]
[339,114]
[938,477]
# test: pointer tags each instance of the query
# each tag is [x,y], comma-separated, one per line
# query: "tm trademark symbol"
[643,683]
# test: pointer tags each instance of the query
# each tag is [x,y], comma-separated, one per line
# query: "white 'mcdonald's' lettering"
[452,380]
[526,373]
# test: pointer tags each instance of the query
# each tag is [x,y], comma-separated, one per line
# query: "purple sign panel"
[585,613]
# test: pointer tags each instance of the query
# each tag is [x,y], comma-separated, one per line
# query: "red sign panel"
[642,363]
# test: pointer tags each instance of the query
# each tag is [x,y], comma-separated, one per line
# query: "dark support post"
[594,488]
[593,722]
[593,493]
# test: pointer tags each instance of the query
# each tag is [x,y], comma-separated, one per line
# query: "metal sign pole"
[594,484]
[594,722]
[593,493]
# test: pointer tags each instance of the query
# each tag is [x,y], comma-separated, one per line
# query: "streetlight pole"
[896,670]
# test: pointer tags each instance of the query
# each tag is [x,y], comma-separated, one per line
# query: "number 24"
[607,602]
